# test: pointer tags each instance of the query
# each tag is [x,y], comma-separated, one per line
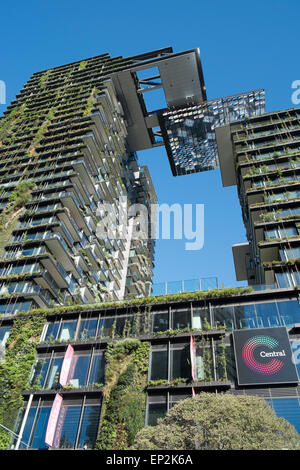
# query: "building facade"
[188,348]
[261,156]
[82,368]
[64,156]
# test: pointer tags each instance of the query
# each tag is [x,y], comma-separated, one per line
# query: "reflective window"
[181,319]
[159,365]
[160,322]
[54,372]
[27,428]
[288,408]
[38,441]
[40,372]
[223,316]
[267,315]
[123,325]
[89,427]
[15,307]
[85,433]
[97,369]
[295,346]
[180,362]
[78,371]
[283,279]
[289,312]
[87,328]
[52,331]
[69,429]
[200,318]
[67,330]
[106,327]
[155,411]
[4,334]
[63,331]
[245,316]
[203,361]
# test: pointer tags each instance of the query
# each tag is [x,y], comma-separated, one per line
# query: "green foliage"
[15,369]
[172,383]
[148,301]
[219,422]
[10,215]
[124,394]
[90,102]
[82,65]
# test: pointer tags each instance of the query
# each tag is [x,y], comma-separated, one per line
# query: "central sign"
[264,356]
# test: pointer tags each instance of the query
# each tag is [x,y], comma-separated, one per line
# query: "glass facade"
[79,421]
[87,368]
[239,316]
[4,334]
[170,361]
[287,408]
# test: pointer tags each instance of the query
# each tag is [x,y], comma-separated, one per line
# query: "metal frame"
[189,132]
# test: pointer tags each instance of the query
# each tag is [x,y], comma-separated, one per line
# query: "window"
[267,315]
[70,424]
[8,309]
[159,363]
[52,331]
[245,316]
[106,326]
[63,331]
[157,408]
[181,319]
[180,362]
[158,405]
[203,360]
[289,253]
[40,372]
[283,279]
[201,318]
[295,346]
[79,370]
[4,334]
[160,322]
[97,369]
[289,311]
[288,408]
[67,331]
[223,316]
[86,369]
[80,420]
[53,373]
[123,325]
[89,427]
[87,328]
[169,363]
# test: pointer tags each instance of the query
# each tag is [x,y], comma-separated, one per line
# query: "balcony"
[192,285]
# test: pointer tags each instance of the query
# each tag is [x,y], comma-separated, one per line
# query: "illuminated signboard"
[264,356]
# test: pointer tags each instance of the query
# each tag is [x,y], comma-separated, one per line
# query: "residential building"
[188,349]
[261,156]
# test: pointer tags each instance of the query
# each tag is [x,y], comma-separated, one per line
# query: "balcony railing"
[191,285]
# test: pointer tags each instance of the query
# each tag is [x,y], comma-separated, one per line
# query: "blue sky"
[244,46]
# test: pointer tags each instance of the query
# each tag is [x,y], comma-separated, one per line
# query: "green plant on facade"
[15,370]
[148,301]
[221,360]
[124,394]
[10,215]
[169,383]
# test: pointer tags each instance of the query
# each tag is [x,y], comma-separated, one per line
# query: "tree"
[223,421]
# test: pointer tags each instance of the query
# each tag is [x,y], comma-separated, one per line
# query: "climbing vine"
[20,354]
[124,394]
[10,215]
